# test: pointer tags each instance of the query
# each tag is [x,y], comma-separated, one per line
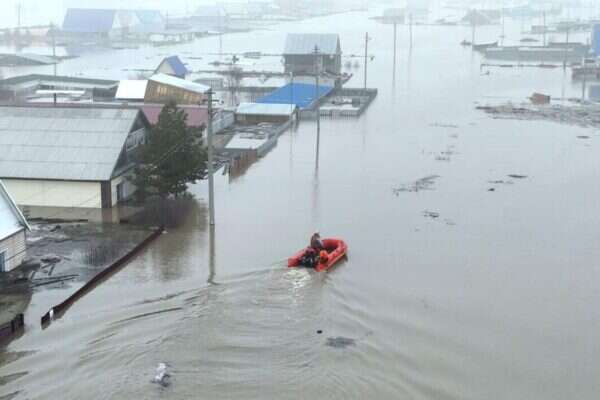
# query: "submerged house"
[163,88]
[103,24]
[13,226]
[172,66]
[300,58]
[67,156]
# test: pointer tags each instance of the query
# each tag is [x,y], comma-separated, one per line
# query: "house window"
[3,261]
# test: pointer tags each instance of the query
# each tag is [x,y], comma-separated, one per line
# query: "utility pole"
[583,83]
[209,143]
[318,108]
[544,27]
[395,46]
[410,28]
[52,27]
[367,55]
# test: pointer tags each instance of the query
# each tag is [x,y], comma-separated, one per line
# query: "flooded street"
[450,291]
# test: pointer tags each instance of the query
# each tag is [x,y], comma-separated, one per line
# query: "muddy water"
[451,292]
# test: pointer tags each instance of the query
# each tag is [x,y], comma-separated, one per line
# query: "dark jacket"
[316,243]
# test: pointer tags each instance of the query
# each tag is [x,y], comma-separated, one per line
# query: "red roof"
[196,116]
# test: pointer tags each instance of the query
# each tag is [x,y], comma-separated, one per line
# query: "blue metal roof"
[176,65]
[88,20]
[301,94]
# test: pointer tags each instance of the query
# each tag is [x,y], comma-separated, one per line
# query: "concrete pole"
[544,27]
[410,29]
[318,108]
[395,46]
[366,57]
[209,143]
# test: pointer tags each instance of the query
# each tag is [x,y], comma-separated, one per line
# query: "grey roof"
[62,143]
[38,78]
[11,218]
[304,43]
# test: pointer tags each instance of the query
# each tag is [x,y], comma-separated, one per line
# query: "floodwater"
[452,292]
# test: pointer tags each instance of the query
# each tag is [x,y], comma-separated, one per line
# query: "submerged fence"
[61,308]
[9,329]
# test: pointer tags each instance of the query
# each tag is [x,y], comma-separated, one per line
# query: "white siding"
[54,193]
[14,249]
[128,188]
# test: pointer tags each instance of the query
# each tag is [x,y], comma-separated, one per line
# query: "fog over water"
[454,292]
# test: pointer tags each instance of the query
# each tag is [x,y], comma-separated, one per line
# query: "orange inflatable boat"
[335,249]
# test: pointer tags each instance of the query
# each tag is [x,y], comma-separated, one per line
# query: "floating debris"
[441,125]
[425,183]
[501,182]
[583,137]
[515,176]
[431,214]
[340,342]
[584,115]
[162,376]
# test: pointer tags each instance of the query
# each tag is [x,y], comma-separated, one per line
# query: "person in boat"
[315,242]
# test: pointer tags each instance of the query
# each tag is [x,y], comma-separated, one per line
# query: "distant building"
[12,232]
[89,23]
[300,57]
[19,88]
[210,18]
[66,156]
[482,17]
[163,88]
[172,66]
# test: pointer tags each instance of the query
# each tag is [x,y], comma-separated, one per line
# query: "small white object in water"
[162,376]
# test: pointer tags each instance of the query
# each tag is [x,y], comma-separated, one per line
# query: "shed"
[12,232]
[300,58]
[132,90]
[163,88]
[303,95]
[172,66]
[265,112]
[69,156]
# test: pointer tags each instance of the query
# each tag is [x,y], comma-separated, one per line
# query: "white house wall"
[54,193]
[128,188]
[13,248]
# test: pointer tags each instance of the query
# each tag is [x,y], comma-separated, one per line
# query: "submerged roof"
[304,43]
[131,90]
[196,116]
[180,83]
[62,143]
[88,20]
[11,218]
[176,65]
[301,94]
[278,109]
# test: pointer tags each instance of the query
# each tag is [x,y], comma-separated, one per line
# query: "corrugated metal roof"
[11,218]
[281,109]
[62,143]
[176,65]
[131,90]
[88,20]
[301,94]
[196,116]
[304,43]
[180,83]
[38,78]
